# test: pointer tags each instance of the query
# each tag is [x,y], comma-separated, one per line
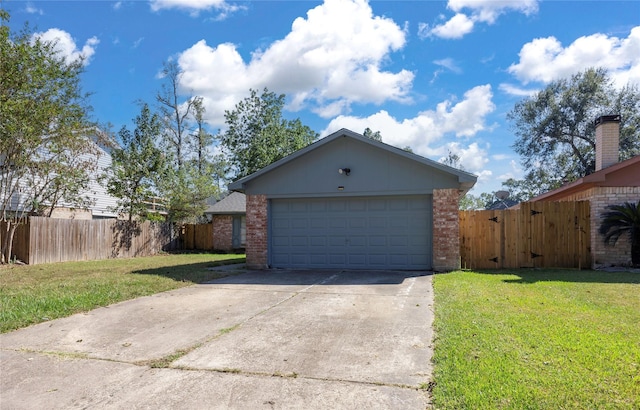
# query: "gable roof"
[235,203]
[466,180]
[625,173]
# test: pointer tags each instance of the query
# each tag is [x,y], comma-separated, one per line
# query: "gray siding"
[374,171]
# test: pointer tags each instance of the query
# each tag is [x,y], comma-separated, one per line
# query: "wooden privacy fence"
[44,240]
[198,237]
[538,235]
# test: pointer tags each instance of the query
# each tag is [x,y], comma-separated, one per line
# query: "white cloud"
[117,5]
[487,11]
[499,157]
[479,11]
[546,60]
[137,43]
[422,133]
[517,91]
[330,60]
[66,46]
[515,172]
[449,64]
[473,158]
[31,9]
[457,27]
[196,6]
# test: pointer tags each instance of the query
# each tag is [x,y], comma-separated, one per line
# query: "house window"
[239,232]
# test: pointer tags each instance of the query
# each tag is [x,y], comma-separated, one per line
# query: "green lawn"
[33,294]
[529,339]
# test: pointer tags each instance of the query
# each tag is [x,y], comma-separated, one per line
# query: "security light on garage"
[344,171]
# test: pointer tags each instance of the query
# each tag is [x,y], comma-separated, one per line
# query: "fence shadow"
[531,276]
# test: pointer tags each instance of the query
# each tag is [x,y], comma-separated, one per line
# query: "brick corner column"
[446,230]
[256,232]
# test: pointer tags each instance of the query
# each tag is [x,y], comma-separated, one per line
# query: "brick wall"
[256,249]
[607,144]
[446,230]
[222,232]
[601,197]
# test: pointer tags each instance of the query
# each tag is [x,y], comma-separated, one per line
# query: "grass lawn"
[537,339]
[33,294]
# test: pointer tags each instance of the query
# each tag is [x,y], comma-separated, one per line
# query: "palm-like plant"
[620,220]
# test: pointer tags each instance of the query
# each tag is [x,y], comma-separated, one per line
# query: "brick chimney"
[607,141]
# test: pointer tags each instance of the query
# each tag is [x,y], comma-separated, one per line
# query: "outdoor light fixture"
[344,171]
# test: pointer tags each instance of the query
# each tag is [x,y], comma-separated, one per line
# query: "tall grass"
[537,340]
[33,294]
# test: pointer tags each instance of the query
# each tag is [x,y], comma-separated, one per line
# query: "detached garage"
[350,202]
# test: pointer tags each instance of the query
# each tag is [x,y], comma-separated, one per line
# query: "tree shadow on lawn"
[529,276]
[194,272]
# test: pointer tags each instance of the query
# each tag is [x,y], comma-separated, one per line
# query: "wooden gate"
[538,235]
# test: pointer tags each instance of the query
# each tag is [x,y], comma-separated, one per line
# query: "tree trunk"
[7,244]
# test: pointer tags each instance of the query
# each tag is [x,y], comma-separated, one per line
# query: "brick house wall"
[256,249]
[222,232]
[600,197]
[446,230]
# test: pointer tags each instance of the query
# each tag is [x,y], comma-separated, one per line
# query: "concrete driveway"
[257,340]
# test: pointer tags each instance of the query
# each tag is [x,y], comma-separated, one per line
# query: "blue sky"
[437,76]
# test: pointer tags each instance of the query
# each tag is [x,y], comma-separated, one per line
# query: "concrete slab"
[269,339]
[35,381]
[352,331]
[146,328]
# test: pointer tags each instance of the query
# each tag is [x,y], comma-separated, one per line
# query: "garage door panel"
[318,241]
[374,232]
[337,206]
[338,222]
[318,259]
[299,223]
[358,223]
[357,244]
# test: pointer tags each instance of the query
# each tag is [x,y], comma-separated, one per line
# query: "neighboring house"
[102,200]
[349,202]
[501,204]
[612,183]
[228,218]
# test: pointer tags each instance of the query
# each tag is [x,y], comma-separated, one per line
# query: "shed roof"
[235,203]
[465,179]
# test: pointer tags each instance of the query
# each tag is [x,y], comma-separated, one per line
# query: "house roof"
[466,180]
[501,204]
[625,173]
[235,203]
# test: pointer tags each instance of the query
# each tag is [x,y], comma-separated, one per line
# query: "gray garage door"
[354,233]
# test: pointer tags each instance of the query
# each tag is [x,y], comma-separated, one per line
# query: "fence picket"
[538,234]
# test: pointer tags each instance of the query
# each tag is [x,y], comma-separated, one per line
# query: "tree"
[48,145]
[190,181]
[469,202]
[452,160]
[376,136]
[174,113]
[201,139]
[257,135]
[185,191]
[623,220]
[136,166]
[555,128]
